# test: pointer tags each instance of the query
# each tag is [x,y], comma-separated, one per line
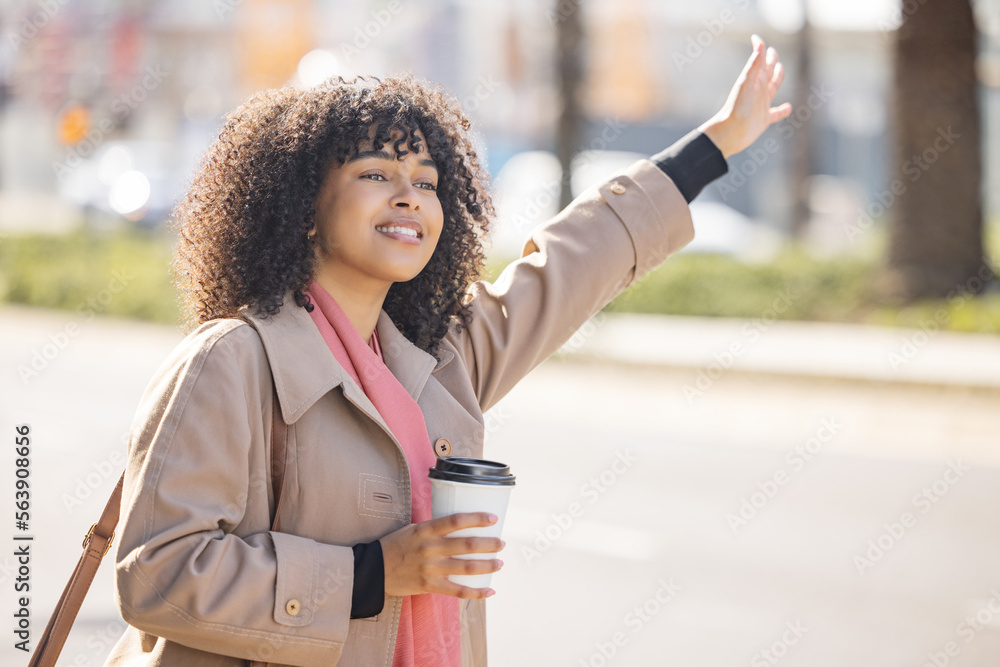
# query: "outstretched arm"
[605,240]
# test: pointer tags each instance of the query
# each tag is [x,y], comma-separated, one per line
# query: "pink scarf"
[429,626]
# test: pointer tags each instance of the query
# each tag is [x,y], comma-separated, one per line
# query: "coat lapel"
[304,368]
[411,365]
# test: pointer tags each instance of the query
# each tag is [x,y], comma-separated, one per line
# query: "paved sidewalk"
[798,349]
[624,489]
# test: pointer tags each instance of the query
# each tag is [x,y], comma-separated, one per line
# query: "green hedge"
[979,315]
[126,274]
[792,287]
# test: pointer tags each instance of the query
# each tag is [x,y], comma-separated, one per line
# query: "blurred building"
[155,79]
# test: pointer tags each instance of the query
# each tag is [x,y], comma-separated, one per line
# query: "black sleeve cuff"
[692,162]
[368,596]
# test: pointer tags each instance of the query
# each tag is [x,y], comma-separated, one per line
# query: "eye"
[427,186]
[374,176]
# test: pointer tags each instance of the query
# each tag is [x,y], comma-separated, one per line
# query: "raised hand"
[748,111]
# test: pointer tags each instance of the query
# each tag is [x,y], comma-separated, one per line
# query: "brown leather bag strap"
[97,543]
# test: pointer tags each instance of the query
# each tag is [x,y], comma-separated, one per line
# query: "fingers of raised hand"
[780,112]
[772,64]
[755,63]
[776,78]
[771,59]
[761,55]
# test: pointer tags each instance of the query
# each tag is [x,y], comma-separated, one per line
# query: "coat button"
[292,607]
[442,447]
[617,188]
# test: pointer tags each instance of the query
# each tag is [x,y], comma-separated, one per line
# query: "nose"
[405,196]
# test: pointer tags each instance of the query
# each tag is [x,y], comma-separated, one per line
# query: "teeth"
[400,230]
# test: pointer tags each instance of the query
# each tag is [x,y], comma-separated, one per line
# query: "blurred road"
[804,522]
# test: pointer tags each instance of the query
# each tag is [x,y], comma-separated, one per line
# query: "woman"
[328,247]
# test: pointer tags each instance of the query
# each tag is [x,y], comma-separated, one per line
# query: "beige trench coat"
[200,577]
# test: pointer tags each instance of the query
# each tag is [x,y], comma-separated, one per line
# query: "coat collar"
[304,368]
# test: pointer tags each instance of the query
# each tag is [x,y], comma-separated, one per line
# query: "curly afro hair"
[243,226]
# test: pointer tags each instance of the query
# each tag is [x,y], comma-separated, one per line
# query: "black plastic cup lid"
[471,471]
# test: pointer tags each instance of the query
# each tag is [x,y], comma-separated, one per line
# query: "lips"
[403,228]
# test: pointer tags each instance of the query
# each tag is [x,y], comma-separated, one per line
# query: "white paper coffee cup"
[461,484]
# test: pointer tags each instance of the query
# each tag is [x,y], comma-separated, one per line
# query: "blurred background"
[881,175]
[749,425]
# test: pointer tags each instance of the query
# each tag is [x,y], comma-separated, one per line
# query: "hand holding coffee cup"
[421,557]
[460,484]
[453,553]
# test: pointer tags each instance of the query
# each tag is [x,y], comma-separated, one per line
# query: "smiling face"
[378,218]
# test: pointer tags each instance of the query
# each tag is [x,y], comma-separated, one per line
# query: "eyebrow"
[383,155]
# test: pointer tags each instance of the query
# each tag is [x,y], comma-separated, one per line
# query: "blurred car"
[130,180]
[527,194]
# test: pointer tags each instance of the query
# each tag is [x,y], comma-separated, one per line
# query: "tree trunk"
[569,69]
[801,138]
[934,200]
